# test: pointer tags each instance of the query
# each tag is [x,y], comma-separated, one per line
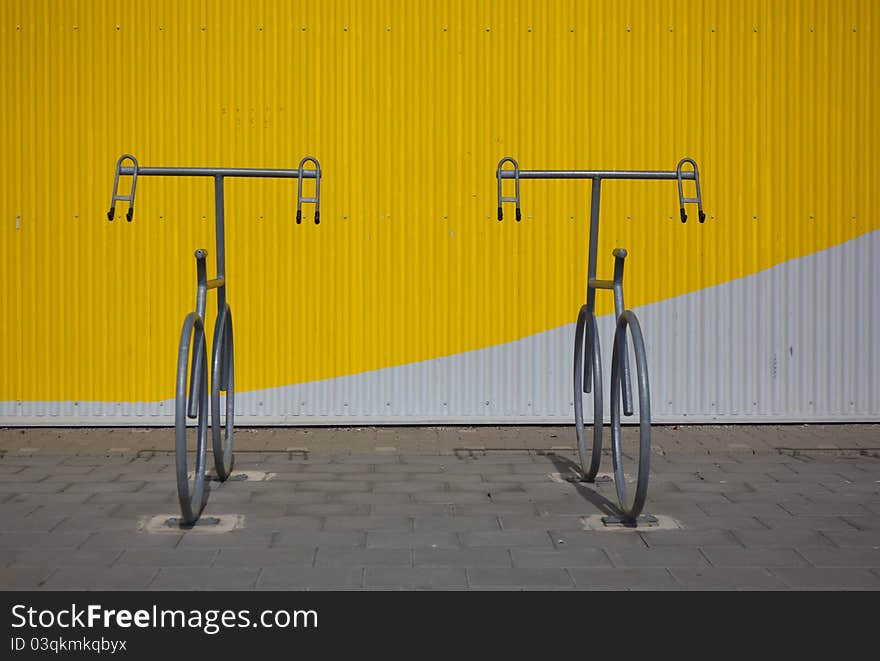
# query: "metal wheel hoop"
[588,372]
[223,378]
[629,320]
[193,333]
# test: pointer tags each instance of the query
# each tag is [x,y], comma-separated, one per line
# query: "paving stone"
[293,577]
[780,499]
[23,509]
[333,486]
[452,478]
[607,539]
[411,540]
[506,538]
[781,538]
[852,537]
[663,556]
[28,540]
[105,487]
[715,486]
[370,498]
[205,578]
[732,578]
[455,523]
[741,509]
[410,468]
[289,497]
[307,477]
[502,497]
[567,522]
[165,557]
[273,557]
[450,497]
[23,578]
[829,578]
[339,557]
[695,538]
[496,509]
[414,509]
[493,487]
[93,578]
[369,523]
[483,557]
[807,523]
[826,509]
[140,499]
[64,557]
[320,538]
[328,509]
[518,577]
[774,503]
[474,468]
[866,556]
[122,540]
[284,522]
[862,522]
[571,557]
[33,523]
[408,487]
[408,578]
[27,475]
[604,579]
[31,487]
[736,556]
[246,538]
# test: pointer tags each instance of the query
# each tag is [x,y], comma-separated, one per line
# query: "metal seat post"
[316,200]
[202,287]
[124,198]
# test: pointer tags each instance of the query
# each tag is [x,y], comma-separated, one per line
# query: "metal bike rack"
[192,355]
[587,353]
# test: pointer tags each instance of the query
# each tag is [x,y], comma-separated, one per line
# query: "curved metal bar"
[191,503]
[223,378]
[588,377]
[680,173]
[116,197]
[500,174]
[628,320]
[619,307]
[316,200]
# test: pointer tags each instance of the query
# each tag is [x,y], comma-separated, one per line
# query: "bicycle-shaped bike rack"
[191,396]
[587,353]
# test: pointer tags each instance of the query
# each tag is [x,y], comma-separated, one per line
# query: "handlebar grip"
[317,218]
[299,217]
[500,214]
[129,214]
[684,216]
[518,214]
[702,217]
[111,213]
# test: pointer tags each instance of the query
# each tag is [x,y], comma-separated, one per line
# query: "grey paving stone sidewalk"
[769,507]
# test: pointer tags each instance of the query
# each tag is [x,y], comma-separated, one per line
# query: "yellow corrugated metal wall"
[408,105]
